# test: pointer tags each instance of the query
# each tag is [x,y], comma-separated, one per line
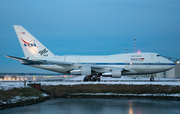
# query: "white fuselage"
[135,63]
[37,55]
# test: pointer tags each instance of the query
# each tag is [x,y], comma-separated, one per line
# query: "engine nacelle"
[75,72]
[85,70]
[116,73]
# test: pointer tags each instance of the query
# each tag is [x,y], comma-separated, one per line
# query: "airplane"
[92,67]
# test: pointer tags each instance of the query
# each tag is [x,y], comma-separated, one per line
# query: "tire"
[93,80]
[98,79]
[152,79]
[85,80]
[89,79]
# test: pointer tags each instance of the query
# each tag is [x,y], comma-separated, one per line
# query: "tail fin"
[30,45]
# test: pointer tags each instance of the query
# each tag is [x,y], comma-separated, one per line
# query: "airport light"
[139,52]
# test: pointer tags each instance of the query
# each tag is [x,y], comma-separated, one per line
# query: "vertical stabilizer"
[30,45]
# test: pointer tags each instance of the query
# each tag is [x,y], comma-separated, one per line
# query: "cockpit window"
[158,55]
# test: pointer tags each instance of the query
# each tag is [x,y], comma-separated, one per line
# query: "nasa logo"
[29,44]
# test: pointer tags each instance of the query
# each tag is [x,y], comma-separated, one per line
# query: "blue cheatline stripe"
[107,63]
[129,63]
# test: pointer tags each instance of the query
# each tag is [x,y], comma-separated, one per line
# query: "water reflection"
[98,106]
[130,107]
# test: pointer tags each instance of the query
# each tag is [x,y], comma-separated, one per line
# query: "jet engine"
[116,73]
[84,70]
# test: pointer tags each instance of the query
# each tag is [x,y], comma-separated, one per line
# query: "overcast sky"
[90,27]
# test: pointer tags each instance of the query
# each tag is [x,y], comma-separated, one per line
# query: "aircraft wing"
[94,68]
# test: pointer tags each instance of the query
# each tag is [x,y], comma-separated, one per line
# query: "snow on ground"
[122,78]
[19,98]
[109,83]
[9,85]
[73,81]
[128,94]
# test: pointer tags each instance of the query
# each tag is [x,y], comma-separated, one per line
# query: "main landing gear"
[91,78]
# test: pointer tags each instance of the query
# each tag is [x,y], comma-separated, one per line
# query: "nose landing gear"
[152,78]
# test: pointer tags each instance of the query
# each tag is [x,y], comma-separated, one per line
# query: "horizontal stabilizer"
[25,60]
[39,61]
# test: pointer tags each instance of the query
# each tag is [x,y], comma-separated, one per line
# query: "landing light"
[138,52]
[177,62]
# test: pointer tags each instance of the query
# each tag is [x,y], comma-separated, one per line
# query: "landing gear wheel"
[85,79]
[151,79]
[89,79]
[94,79]
[98,80]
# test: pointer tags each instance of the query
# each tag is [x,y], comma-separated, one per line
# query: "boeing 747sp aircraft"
[37,55]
